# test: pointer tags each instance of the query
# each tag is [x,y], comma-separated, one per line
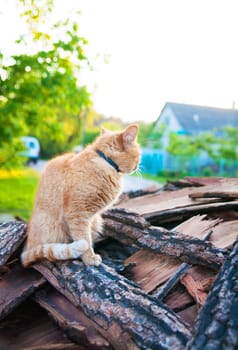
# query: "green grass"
[17,189]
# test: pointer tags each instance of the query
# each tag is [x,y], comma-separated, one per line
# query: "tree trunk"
[120,311]
[217,323]
[12,234]
[130,228]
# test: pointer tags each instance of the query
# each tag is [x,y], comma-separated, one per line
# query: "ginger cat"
[74,190]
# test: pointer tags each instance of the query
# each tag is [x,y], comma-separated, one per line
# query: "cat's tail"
[54,251]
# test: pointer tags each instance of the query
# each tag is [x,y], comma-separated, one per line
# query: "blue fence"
[155,162]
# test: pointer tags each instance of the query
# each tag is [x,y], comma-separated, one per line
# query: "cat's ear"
[103,131]
[130,134]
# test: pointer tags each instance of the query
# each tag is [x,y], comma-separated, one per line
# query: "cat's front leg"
[97,228]
[81,229]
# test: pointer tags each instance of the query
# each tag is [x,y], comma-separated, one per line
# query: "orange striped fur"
[73,192]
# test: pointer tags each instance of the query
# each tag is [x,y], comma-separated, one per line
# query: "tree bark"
[12,234]
[130,228]
[120,311]
[75,324]
[217,324]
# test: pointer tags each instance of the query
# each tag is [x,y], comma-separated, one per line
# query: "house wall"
[168,118]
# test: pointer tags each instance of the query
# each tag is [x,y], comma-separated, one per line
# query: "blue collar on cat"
[109,160]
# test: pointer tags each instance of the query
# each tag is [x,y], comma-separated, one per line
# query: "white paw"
[77,248]
[92,259]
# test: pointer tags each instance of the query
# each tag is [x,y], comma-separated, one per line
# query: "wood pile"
[169,277]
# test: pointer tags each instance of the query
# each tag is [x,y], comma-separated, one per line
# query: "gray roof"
[194,119]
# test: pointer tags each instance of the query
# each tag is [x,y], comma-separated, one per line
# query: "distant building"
[185,119]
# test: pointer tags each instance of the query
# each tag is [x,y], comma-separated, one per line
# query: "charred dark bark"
[120,311]
[217,324]
[163,291]
[12,234]
[75,324]
[16,286]
[215,194]
[130,228]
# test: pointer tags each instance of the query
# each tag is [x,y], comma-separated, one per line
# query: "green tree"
[222,144]
[184,145]
[40,92]
[150,135]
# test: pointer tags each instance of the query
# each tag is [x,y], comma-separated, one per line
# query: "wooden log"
[73,321]
[119,310]
[131,228]
[217,324]
[16,286]
[12,234]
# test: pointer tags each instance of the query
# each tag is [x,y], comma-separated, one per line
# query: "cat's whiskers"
[138,174]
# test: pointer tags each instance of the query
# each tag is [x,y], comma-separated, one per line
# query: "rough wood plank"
[180,214]
[198,281]
[211,180]
[224,234]
[16,286]
[119,309]
[194,288]
[189,314]
[12,234]
[73,321]
[57,346]
[197,226]
[162,201]
[177,275]
[152,270]
[152,205]
[163,291]
[217,324]
[125,228]
[227,194]
[29,327]
[178,299]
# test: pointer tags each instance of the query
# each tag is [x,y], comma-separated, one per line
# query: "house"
[185,119]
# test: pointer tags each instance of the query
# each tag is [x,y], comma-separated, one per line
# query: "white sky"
[160,50]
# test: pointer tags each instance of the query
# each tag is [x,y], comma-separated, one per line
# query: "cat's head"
[121,147]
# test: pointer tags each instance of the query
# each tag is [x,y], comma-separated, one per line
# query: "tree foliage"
[149,136]
[40,93]
[224,146]
[183,145]
[219,144]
